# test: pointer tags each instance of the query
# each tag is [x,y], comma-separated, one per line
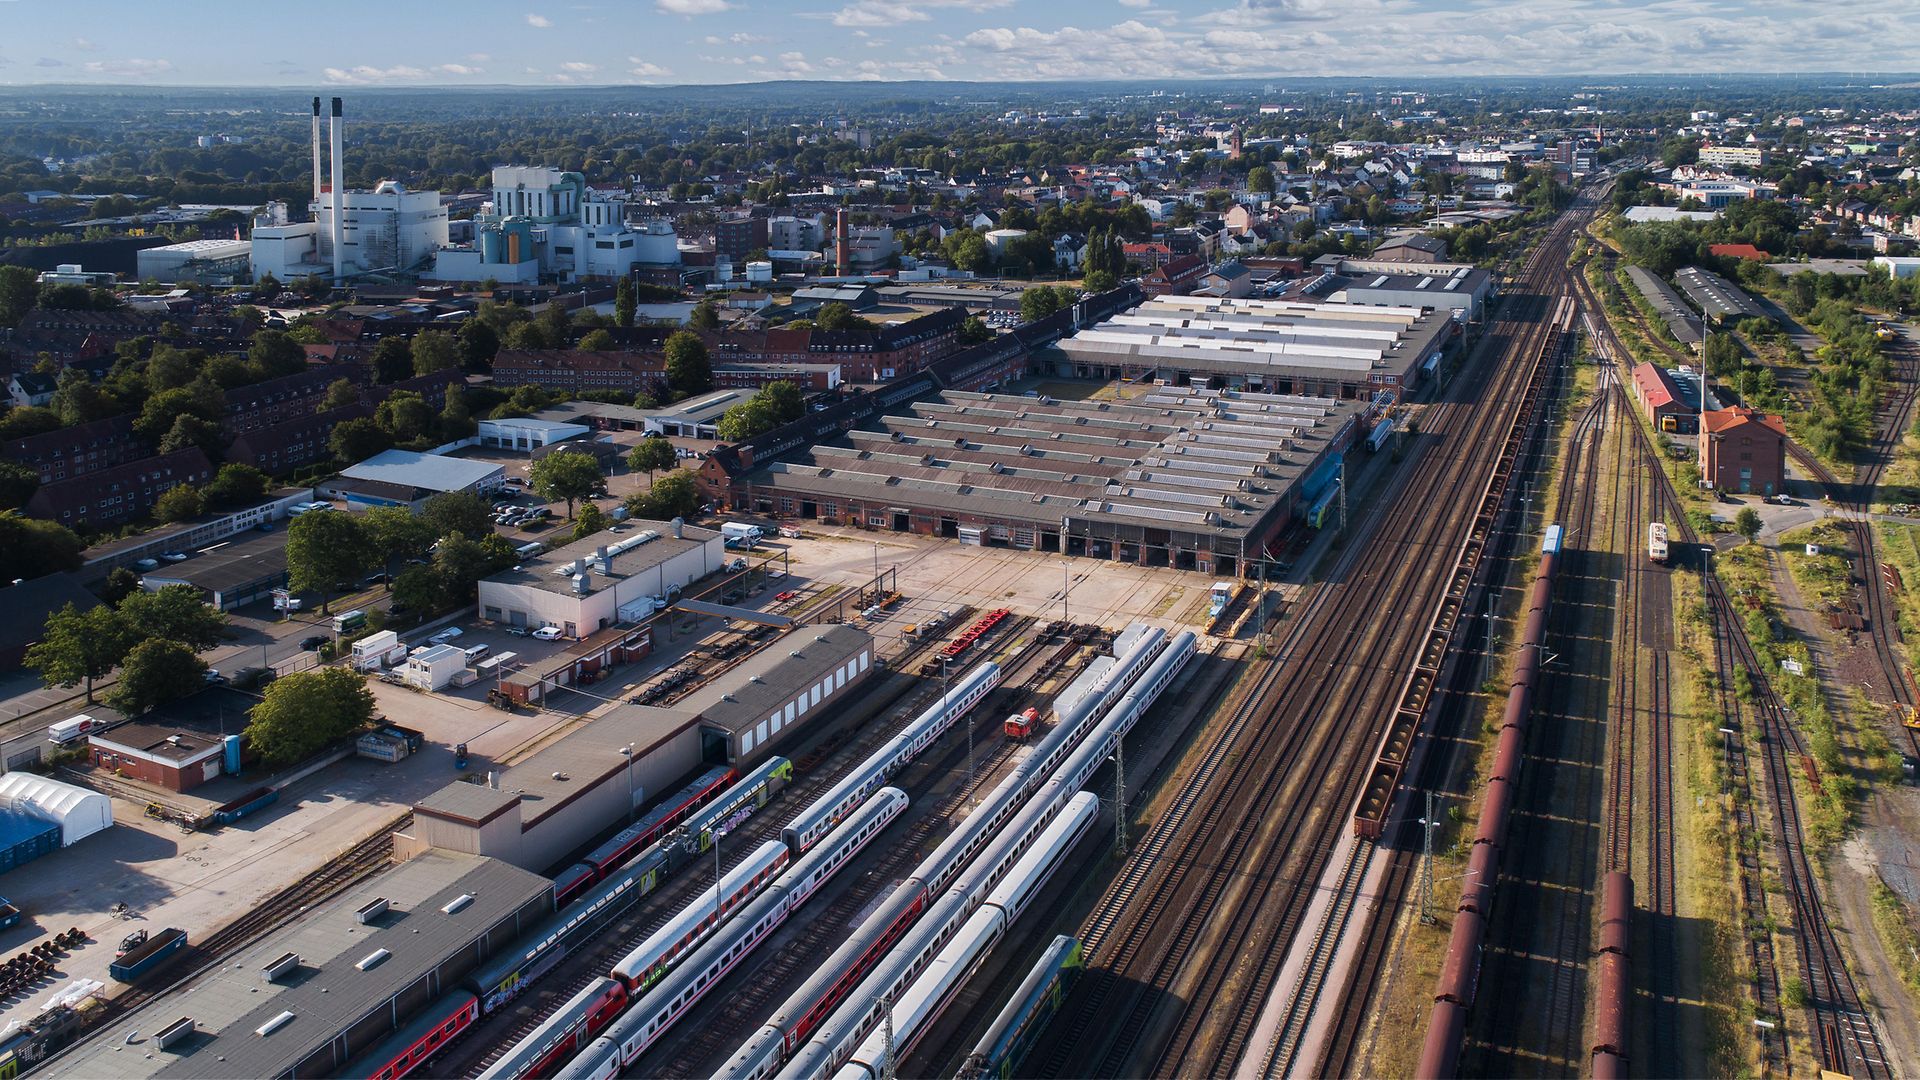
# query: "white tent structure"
[79,813]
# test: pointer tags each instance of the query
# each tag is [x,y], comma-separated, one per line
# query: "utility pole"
[1066,586]
[1426,863]
[886,1041]
[1120,794]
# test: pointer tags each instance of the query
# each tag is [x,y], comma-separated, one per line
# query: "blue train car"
[1012,1034]
[1550,543]
[531,956]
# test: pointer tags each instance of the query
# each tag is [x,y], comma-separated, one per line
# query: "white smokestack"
[318,185]
[338,146]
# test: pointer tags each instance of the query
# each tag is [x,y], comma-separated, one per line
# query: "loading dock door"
[901,521]
[971,535]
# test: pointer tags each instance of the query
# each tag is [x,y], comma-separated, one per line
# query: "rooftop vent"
[282,967]
[274,1024]
[374,909]
[373,960]
[457,904]
[174,1032]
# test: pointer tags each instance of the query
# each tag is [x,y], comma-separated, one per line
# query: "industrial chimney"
[319,185]
[337,139]
[843,259]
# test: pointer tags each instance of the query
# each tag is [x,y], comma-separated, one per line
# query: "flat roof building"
[538,811]
[527,433]
[1271,346]
[1721,300]
[427,471]
[1184,477]
[1674,311]
[244,569]
[695,417]
[307,999]
[607,578]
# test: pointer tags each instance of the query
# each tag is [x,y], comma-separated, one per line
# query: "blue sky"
[474,42]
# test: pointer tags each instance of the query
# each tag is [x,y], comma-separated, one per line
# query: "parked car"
[174,556]
[518,631]
[446,635]
[1782,499]
[314,642]
[213,675]
[148,564]
[547,633]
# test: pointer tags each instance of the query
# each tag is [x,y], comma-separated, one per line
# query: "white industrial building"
[404,477]
[605,579]
[79,812]
[386,230]
[546,223]
[526,433]
[208,262]
[435,666]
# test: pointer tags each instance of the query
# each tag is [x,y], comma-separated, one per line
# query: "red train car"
[411,1046]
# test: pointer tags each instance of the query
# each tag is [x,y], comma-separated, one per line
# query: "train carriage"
[1657,542]
[410,1047]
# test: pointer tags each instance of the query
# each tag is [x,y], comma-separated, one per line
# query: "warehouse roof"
[1282,339]
[246,559]
[1715,295]
[639,546]
[434,472]
[1179,458]
[1674,311]
[424,928]
[759,685]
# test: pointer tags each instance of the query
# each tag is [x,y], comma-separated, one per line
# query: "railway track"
[1228,871]
[825,766]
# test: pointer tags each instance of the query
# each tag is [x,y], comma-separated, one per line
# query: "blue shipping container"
[24,838]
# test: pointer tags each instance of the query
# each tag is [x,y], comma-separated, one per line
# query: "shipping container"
[144,958]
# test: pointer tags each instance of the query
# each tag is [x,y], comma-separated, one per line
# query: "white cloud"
[889,13]
[579,67]
[540,22]
[480,58]
[131,68]
[364,74]
[84,45]
[737,38]
[643,69]
[692,7]
[458,69]
[1136,3]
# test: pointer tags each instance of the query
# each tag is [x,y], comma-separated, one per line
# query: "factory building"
[405,477]
[1267,346]
[536,812]
[1183,477]
[204,262]
[386,230]
[546,224]
[307,999]
[591,584]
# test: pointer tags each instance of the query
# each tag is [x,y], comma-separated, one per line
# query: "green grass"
[1895,926]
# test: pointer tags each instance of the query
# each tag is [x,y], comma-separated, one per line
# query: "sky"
[662,42]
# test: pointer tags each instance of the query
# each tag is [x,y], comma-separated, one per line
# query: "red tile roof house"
[1740,251]
[1746,451]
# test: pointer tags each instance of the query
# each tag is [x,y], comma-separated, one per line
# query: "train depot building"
[1342,351]
[575,787]
[1183,477]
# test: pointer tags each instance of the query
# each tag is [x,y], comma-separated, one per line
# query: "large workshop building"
[1272,346]
[308,999]
[591,584]
[572,790]
[1182,477]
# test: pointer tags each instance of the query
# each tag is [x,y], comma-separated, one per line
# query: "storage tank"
[657,243]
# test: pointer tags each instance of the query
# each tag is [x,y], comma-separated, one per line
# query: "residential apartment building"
[65,453]
[1751,157]
[118,494]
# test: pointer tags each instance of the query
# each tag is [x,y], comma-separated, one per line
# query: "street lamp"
[627,752]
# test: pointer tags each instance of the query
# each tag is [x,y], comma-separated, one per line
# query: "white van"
[477,652]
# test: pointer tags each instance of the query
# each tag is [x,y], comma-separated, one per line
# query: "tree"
[838,316]
[478,343]
[1260,178]
[340,394]
[392,360]
[973,331]
[784,399]
[202,401]
[190,431]
[456,422]
[745,420]
[456,512]
[237,485]
[1747,523]
[19,291]
[528,335]
[592,519]
[417,588]
[650,456]
[31,548]
[177,613]
[596,341]
[434,350]
[358,439]
[79,646]
[1038,303]
[705,316]
[324,547]
[461,562]
[155,672]
[623,302]
[396,532]
[304,713]
[568,475]
[78,399]
[276,354]
[1099,281]
[674,495]
[182,502]
[689,372]
[405,416]
[17,484]
[121,583]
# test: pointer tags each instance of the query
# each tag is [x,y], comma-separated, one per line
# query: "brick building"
[119,493]
[736,237]
[65,453]
[1670,405]
[168,757]
[1177,277]
[283,447]
[1746,451]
